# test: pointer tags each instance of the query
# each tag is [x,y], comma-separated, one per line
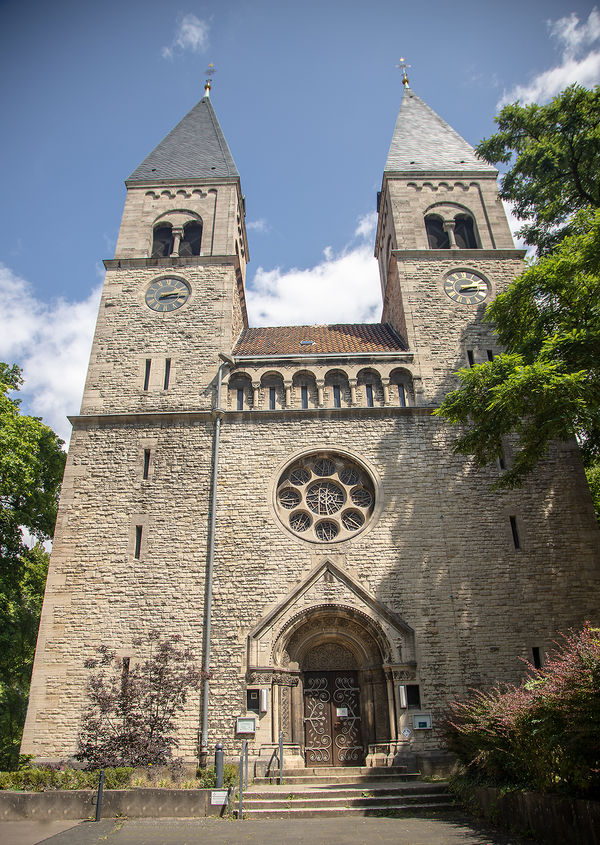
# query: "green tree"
[553,153]
[31,467]
[547,386]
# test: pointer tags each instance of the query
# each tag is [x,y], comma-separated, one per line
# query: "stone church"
[282,497]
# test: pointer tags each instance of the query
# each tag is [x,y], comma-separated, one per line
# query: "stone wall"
[438,552]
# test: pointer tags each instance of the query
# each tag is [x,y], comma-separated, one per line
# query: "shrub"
[543,734]
[45,778]
[129,720]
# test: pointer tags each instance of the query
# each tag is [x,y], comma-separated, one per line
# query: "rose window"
[325,498]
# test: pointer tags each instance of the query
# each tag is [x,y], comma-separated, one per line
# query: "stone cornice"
[460,256]
[281,414]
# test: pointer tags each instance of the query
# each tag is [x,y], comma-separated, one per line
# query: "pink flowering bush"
[543,734]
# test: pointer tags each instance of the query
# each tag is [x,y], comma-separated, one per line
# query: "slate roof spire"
[195,149]
[422,141]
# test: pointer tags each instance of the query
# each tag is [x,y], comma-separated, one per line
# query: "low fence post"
[99,796]
[219,765]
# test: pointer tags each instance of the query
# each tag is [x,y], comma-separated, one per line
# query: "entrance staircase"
[328,792]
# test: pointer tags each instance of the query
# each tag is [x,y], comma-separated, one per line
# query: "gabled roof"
[340,339]
[195,149]
[423,141]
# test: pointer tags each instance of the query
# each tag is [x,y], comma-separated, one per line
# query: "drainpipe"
[226,361]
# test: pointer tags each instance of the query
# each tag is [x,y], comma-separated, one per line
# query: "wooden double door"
[332,722]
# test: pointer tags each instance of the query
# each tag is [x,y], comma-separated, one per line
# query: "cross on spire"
[210,72]
[403,66]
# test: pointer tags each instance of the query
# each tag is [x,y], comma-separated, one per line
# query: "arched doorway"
[341,707]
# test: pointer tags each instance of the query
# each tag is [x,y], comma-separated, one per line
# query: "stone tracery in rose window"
[325,498]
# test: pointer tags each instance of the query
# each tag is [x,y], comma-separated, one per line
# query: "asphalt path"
[442,828]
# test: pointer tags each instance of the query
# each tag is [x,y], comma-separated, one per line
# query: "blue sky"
[307,95]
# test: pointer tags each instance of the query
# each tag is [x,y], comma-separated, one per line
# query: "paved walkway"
[443,828]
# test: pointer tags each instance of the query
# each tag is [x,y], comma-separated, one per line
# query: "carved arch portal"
[338,654]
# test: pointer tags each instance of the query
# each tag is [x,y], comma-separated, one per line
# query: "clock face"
[167,294]
[466,287]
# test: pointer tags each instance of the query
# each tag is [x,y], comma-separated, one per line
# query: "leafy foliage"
[130,717]
[593,477]
[31,467]
[45,778]
[554,154]
[543,734]
[547,386]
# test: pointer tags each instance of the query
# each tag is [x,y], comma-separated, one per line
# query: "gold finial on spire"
[403,66]
[210,72]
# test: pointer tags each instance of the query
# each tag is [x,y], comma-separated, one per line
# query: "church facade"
[290,486]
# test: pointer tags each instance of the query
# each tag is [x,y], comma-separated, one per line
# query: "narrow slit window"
[147,373]
[490,354]
[304,396]
[138,542]
[167,373]
[272,397]
[369,392]
[337,396]
[240,398]
[146,463]
[125,663]
[470,358]
[537,657]
[501,459]
[515,532]
[401,396]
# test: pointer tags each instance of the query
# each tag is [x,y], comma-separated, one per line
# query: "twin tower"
[282,498]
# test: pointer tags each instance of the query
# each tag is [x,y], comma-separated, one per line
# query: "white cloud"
[260,225]
[515,224]
[343,288]
[578,63]
[367,224]
[51,343]
[191,34]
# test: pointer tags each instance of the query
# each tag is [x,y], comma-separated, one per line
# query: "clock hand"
[470,287]
[167,293]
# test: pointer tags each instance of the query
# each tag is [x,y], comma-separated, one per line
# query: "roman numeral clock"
[466,287]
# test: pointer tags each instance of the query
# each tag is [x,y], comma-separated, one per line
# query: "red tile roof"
[337,339]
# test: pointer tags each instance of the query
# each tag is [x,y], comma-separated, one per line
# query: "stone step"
[336,770]
[366,809]
[283,794]
[300,802]
[341,776]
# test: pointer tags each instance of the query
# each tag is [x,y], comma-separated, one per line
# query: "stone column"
[385,383]
[288,394]
[256,390]
[353,382]
[177,236]
[320,386]
[449,227]
[389,682]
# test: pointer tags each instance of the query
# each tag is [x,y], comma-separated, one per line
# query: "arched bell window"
[192,239]
[436,234]
[464,232]
[162,240]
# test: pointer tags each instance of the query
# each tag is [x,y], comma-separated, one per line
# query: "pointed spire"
[423,141]
[195,149]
